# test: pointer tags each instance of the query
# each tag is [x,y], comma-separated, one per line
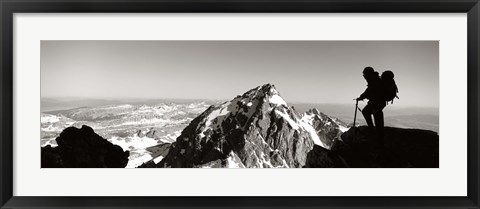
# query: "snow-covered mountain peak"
[266,88]
[266,92]
[253,103]
[258,127]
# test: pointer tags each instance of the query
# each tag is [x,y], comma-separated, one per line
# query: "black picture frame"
[9,7]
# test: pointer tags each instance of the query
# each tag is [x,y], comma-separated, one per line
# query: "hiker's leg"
[379,121]
[367,114]
[379,124]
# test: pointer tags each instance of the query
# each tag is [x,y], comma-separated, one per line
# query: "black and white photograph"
[239,104]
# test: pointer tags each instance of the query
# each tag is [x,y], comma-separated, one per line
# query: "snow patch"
[137,158]
[137,147]
[285,164]
[158,159]
[313,134]
[221,111]
[265,162]
[52,142]
[343,128]
[308,118]
[133,143]
[233,161]
[253,106]
[49,118]
[274,91]
[277,100]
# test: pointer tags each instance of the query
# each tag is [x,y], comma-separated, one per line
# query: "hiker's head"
[368,72]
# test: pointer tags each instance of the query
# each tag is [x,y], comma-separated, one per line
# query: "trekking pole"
[355,116]
[354,119]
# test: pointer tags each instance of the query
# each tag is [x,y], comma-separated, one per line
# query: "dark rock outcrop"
[83,148]
[51,157]
[320,157]
[402,148]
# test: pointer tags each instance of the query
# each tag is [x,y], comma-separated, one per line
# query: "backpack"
[390,89]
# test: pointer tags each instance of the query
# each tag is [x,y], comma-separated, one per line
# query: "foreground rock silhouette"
[83,148]
[403,148]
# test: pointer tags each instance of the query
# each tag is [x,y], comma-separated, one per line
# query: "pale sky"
[302,71]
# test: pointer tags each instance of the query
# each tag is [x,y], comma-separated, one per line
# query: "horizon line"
[118,99]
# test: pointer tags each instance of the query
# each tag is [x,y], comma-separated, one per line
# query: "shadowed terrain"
[403,148]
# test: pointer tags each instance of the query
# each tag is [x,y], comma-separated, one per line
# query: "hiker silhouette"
[376,102]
